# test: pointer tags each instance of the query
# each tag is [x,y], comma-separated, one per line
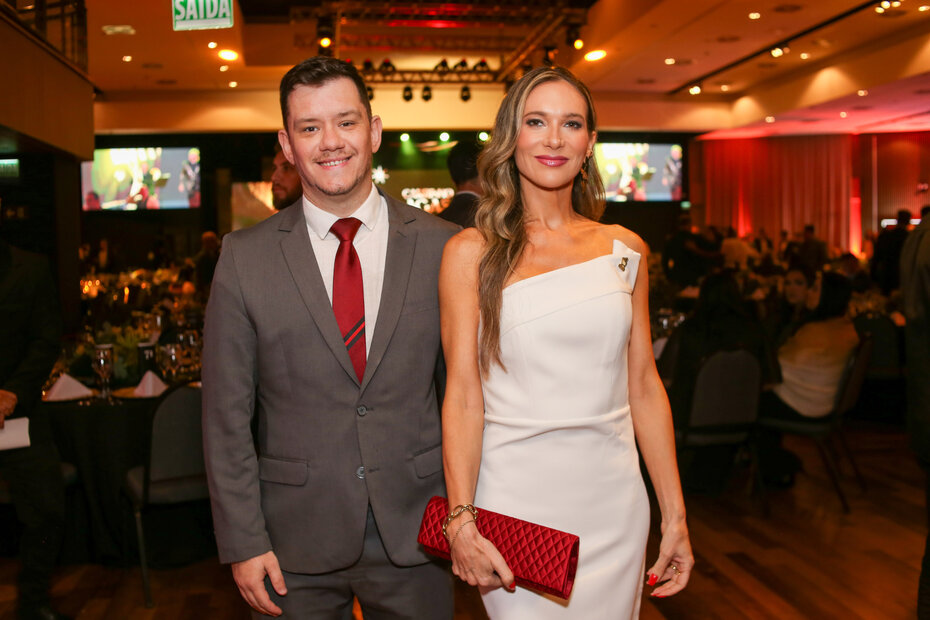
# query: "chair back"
[176,446]
[726,398]
[885,362]
[854,377]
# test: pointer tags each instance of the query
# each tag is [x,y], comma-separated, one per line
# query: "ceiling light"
[724,87]
[755,15]
[427,93]
[595,55]
[862,92]
[805,55]
[228,54]
[127,58]
[778,52]
[578,44]
[212,45]
[483,136]
[324,35]
[842,114]
[573,37]
[895,3]
[224,68]
[925,7]
[408,93]
[444,136]
[325,42]
[670,61]
[233,84]
[885,4]
[695,89]
[404,137]
[465,93]
[118,29]
[769,119]
[879,9]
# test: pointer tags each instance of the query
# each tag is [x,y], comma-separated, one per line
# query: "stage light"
[408,93]
[387,66]
[427,93]
[465,93]
[481,65]
[367,65]
[371,92]
[442,66]
[324,36]
[573,37]
[461,65]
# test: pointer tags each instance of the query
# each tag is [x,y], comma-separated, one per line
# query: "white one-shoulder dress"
[558,446]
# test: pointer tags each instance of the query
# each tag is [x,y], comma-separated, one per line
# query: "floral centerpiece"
[125,340]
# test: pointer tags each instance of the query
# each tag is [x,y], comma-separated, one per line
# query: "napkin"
[14,434]
[150,386]
[67,388]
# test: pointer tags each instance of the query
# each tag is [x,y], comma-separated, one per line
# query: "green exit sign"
[202,14]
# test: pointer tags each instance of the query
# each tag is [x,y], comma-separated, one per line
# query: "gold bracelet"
[455,513]
[459,531]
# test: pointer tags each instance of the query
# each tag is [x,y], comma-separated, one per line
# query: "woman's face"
[554,139]
[796,288]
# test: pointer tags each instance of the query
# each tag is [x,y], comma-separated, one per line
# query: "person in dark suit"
[915,292]
[30,332]
[463,167]
[332,343]
[886,259]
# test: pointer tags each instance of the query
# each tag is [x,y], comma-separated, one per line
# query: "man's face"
[330,140]
[285,182]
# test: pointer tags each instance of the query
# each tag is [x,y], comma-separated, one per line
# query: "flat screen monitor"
[135,179]
[641,171]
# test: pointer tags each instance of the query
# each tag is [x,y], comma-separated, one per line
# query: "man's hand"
[250,577]
[7,405]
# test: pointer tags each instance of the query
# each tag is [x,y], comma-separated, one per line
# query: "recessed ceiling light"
[805,55]
[755,15]
[862,92]
[228,55]
[724,87]
[670,61]
[212,45]
[127,58]
[769,119]
[925,7]
[224,67]
[233,84]
[695,90]
[595,55]
[118,29]
[842,114]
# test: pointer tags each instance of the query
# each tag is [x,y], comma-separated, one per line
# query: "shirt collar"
[321,221]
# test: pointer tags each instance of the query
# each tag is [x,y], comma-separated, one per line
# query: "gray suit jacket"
[327,446]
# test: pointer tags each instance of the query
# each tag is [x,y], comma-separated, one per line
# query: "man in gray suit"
[323,321]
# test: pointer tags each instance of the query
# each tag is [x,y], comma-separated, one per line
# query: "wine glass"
[103,368]
[170,362]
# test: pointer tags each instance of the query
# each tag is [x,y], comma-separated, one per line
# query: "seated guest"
[782,318]
[850,267]
[205,262]
[813,359]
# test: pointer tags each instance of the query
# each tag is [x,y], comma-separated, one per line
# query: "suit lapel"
[298,253]
[402,241]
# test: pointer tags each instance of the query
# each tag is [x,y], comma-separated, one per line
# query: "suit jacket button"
[362,410]
[360,473]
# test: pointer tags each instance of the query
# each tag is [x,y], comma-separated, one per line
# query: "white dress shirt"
[370,243]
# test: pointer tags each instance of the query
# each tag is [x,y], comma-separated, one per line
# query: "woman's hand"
[675,561]
[475,559]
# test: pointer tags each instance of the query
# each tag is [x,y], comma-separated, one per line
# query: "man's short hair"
[925,211]
[317,71]
[904,217]
[463,161]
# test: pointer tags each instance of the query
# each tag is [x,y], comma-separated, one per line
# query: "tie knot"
[346,228]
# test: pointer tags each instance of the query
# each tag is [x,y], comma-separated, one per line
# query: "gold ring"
[674,569]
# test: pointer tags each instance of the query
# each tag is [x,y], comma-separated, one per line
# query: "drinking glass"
[170,362]
[103,368]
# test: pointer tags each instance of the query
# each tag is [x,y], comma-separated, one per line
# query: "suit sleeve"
[229,384]
[44,335]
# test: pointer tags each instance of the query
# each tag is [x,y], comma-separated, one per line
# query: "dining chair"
[725,407]
[825,429]
[174,471]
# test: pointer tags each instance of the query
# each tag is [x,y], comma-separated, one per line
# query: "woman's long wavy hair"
[500,216]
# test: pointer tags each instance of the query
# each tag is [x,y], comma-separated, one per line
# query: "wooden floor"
[806,560]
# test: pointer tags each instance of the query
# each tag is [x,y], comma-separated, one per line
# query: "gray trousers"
[384,590]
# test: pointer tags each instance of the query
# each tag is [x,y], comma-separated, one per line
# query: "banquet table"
[103,440]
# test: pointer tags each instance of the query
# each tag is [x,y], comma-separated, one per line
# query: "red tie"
[348,294]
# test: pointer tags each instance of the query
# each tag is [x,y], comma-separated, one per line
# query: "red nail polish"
[653,579]
[512,586]
[658,595]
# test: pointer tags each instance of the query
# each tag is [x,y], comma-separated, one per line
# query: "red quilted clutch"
[540,557]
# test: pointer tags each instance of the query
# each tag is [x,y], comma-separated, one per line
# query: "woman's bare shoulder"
[465,246]
[629,238]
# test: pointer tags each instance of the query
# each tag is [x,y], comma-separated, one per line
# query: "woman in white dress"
[545,330]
